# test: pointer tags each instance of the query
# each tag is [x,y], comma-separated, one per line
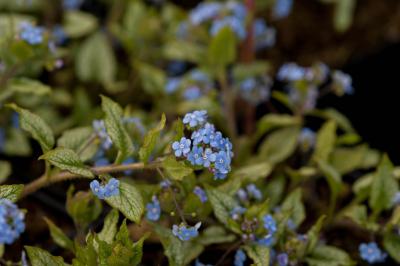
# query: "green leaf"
[253,172]
[1,250]
[391,242]
[326,138]
[59,237]
[150,140]
[95,60]
[271,121]
[279,145]
[36,126]
[83,207]
[222,204]
[294,206]
[153,79]
[222,50]
[11,192]
[129,202]
[5,170]
[176,170]
[109,230]
[313,235]
[343,16]
[40,257]
[68,160]
[348,159]
[116,129]
[17,143]
[259,254]
[358,214]
[329,256]
[77,140]
[78,24]
[334,180]
[184,51]
[29,86]
[215,235]
[384,187]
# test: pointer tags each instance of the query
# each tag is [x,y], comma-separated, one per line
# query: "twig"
[178,209]
[44,181]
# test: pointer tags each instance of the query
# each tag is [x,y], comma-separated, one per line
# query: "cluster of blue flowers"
[371,253]
[255,90]
[31,34]
[110,189]
[100,130]
[206,147]
[184,232]
[153,210]
[233,15]
[192,85]
[282,259]
[11,222]
[303,83]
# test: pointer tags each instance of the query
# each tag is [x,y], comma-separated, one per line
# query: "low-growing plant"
[197,149]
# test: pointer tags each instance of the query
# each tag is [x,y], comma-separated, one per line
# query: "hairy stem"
[44,181]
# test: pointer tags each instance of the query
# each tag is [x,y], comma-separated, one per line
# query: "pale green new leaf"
[109,230]
[40,257]
[150,140]
[59,237]
[36,126]
[68,160]
[326,138]
[176,170]
[129,202]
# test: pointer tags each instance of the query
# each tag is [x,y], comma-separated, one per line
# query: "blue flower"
[282,8]
[101,162]
[11,222]
[182,147]
[59,35]
[153,210]
[222,162]
[15,120]
[270,224]
[255,90]
[238,9]
[219,176]
[172,85]
[265,36]
[304,100]
[204,11]
[72,4]
[371,253]
[254,191]
[205,135]
[240,258]
[234,23]
[236,212]
[291,72]
[396,199]
[307,139]
[192,93]
[208,157]
[31,34]
[342,83]
[100,130]
[267,240]
[186,233]
[283,259]
[197,118]
[198,263]
[242,194]
[165,184]
[195,157]
[200,193]
[105,191]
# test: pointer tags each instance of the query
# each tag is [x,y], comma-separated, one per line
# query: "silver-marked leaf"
[40,257]
[259,254]
[222,204]
[36,126]
[77,139]
[129,202]
[67,159]
[11,192]
[115,127]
